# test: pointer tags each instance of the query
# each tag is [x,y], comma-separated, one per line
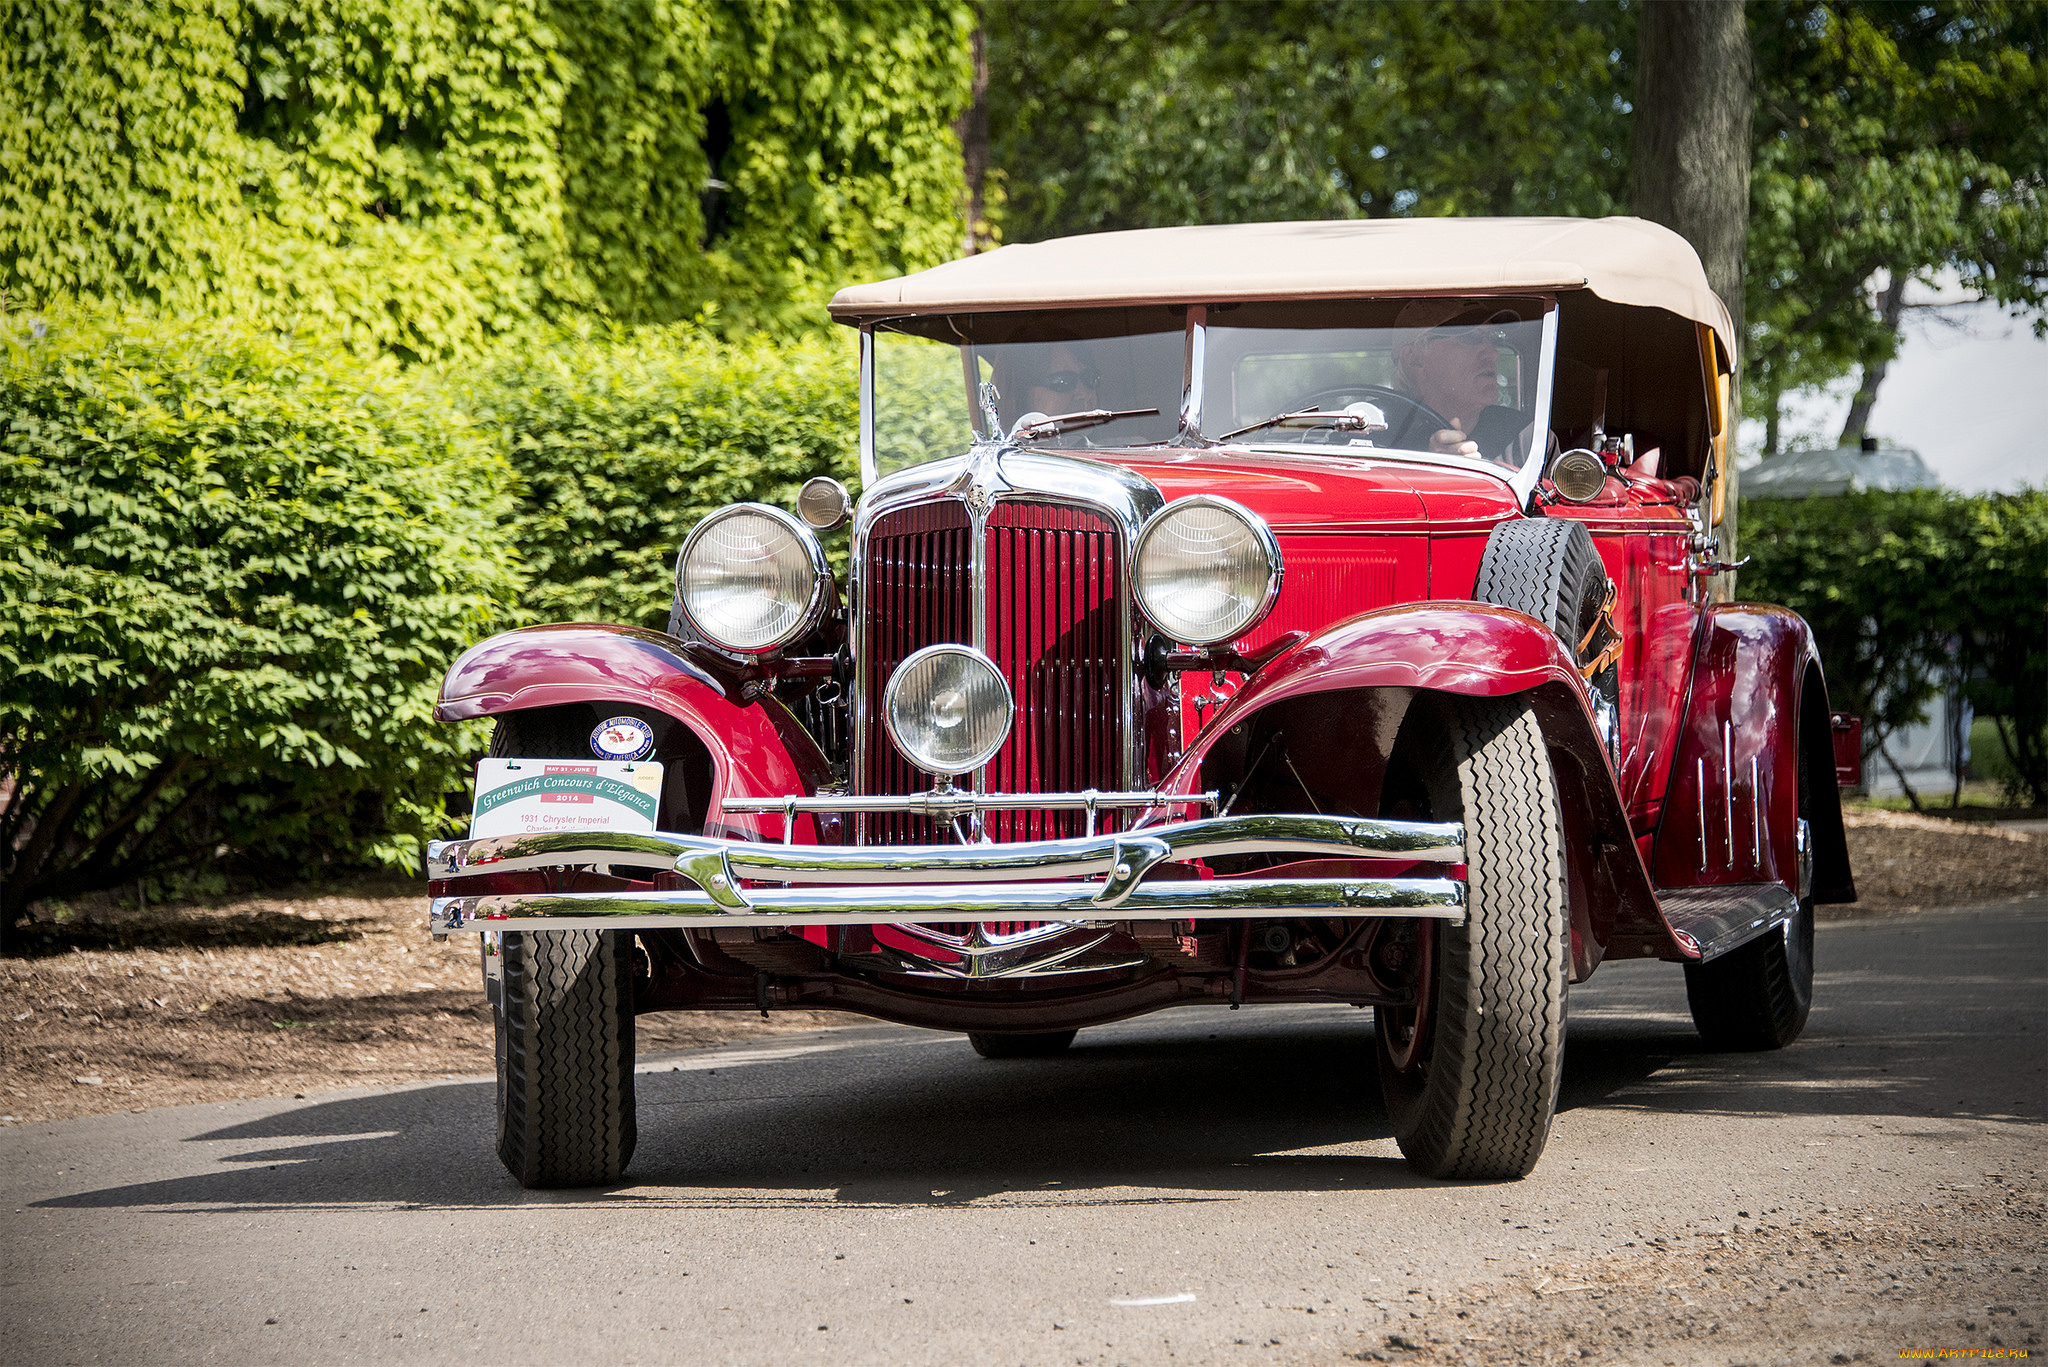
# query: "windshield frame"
[1521,478]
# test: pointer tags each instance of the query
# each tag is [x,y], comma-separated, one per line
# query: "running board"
[1726,916]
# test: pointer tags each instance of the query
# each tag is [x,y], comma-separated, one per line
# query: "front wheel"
[1759,995]
[1470,1072]
[564,1016]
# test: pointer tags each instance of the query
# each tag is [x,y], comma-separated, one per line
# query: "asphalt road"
[1195,1186]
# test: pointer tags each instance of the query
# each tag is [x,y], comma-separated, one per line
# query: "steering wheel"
[1410,422]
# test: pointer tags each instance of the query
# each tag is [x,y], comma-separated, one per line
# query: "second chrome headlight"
[948,709]
[1208,570]
[752,578]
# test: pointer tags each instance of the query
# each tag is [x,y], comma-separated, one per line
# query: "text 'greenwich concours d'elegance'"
[1313,612]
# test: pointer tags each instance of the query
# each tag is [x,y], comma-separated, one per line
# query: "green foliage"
[115,167]
[231,574]
[421,177]
[1145,113]
[1905,589]
[2005,652]
[620,445]
[1991,759]
[1887,137]
[1895,138]
[634,161]
[842,162]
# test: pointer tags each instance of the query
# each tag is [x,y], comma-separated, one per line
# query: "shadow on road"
[1184,1107]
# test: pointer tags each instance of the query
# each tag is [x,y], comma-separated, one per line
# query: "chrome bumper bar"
[740,883]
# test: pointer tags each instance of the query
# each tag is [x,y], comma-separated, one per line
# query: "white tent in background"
[1931,752]
[1826,471]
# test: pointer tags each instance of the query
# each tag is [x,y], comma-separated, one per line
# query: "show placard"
[538,796]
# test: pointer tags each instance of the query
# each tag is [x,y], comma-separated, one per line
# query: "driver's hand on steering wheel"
[1452,441]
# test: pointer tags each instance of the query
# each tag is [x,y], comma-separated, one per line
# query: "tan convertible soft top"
[1622,260]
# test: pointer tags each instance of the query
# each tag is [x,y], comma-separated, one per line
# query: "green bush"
[621,444]
[2004,652]
[231,574]
[1905,589]
[424,177]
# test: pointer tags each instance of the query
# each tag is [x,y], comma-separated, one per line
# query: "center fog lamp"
[948,709]
[752,578]
[1208,570]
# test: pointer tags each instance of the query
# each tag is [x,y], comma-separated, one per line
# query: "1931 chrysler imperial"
[1275,613]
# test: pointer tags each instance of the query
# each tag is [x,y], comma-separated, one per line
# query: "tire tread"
[1545,567]
[565,1043]
[1485,1107]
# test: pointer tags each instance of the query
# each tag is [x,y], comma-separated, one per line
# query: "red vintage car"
[1311,612]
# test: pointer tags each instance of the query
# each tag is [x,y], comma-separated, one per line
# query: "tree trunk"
[1890,306]
[1911,797]
[1690,163]
[972,127]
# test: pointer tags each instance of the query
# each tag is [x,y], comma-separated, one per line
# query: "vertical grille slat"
[916,573]
[1054,627]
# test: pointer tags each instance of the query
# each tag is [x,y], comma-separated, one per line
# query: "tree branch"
[54,823]
[153,785]
[1904,786]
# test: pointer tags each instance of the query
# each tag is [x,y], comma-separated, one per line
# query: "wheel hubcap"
[1406,1036]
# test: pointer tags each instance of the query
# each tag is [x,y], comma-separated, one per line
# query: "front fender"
[1474,649]
[1384,658]
[757,748]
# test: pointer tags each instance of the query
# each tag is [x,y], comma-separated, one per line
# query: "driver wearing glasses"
[1451,366]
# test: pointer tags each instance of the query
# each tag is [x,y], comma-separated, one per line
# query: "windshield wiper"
[1358,417]
[1038,425]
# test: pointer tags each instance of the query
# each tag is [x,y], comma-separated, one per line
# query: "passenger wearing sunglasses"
[1066,381]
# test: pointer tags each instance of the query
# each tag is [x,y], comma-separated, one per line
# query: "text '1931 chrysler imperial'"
[1307,612]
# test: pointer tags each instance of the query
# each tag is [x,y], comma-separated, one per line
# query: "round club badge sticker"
[622,738]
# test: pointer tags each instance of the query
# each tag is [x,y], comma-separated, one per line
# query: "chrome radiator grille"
[1054,625]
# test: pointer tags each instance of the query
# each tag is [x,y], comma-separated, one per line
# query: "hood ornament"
[987,393]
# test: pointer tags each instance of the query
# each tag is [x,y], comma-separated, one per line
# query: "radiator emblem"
[984,477]
[980,498]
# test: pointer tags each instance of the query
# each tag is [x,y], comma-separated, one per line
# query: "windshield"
[1455,379]
[933,375]
[1451,377]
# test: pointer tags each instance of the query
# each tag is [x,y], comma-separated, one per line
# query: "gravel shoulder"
[285,995]
[269,996]
[1863,1283]
[1905,862]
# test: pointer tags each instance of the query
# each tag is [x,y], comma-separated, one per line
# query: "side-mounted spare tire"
[564,1026]
[1548,568]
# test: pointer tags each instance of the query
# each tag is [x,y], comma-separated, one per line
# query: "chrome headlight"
[1208,570]
[948,709]
[752,578]
[1579,475]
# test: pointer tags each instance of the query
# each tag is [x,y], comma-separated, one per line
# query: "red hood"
[1328,493]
